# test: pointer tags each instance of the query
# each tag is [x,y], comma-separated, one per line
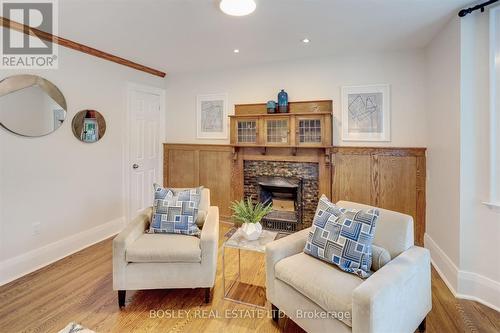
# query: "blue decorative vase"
[282,101]
[271,107]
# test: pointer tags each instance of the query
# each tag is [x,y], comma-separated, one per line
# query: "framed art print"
[211,116]
[366,114]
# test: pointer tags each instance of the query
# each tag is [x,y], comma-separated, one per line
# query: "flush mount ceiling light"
[237,7]
[236,51]
[305,40]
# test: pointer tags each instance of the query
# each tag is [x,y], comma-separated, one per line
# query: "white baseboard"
[443,264]
[463,284]
[21,265]
[479,288]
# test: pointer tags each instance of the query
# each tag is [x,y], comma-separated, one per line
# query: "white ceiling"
[193,35]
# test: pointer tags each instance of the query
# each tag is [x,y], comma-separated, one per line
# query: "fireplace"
[285,196]
[292,187]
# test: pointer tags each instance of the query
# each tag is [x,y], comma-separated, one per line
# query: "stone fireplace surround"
[308,172]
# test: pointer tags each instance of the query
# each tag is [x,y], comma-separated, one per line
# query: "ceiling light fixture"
[236,51]
[306,40]
[237,7]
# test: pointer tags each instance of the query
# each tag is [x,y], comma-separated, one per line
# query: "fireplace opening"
[285,196]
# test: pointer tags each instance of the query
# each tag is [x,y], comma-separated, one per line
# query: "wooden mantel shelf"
[293,148]
[279,114]
[279,146]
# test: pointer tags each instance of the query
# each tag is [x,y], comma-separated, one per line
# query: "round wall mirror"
[88,126]
[31,105]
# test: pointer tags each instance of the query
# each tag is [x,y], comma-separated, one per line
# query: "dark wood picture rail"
[77,46]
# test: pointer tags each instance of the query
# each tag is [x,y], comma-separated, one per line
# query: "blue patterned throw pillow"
[343,237]
[175,211]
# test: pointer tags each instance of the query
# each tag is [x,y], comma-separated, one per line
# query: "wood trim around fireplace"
[391,178]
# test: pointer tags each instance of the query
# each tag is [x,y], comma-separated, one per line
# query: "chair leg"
[208,294]
[121,298]
[421,327]
[275,313]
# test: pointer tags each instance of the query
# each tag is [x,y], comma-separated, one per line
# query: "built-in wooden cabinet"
[305,129]
[313,130]
[277,131]
[246,131]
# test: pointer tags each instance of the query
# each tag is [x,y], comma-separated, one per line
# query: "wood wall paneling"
[390,178]
[397,183]
[201,165]
[421,200]
[351,175]
[182,168]
[214,173]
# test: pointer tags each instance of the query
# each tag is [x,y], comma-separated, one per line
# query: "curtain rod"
[481,6]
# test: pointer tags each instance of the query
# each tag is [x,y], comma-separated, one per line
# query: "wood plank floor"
[79,288]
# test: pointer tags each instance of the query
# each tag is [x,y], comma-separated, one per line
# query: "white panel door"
[144,143]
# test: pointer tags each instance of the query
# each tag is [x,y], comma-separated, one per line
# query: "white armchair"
[163,261]
[319,297]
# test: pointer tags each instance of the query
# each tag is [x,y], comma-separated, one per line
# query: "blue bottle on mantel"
[282,101]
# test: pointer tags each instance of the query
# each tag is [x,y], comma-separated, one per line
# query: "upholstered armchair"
[319,297]
[163,261]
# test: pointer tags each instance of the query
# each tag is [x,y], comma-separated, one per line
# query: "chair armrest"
[280,249]
[126,237]
[209,241]
[397,297]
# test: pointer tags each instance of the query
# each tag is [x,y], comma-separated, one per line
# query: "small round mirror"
[31,105]
[88,126]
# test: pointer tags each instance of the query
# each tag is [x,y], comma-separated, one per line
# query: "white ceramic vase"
[251,231]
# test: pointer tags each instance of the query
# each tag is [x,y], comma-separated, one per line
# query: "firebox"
[285,196]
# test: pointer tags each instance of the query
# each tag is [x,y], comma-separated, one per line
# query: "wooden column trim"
[6,23]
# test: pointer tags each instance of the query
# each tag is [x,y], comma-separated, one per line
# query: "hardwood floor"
[79,288]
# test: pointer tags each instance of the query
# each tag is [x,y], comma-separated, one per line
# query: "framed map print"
[211,116]
[366,113]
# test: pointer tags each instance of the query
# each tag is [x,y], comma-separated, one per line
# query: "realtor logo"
[21,50]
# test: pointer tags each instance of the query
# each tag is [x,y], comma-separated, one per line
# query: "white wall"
[495,101]
[443,146]
[462,233]
[309,79]
[69,187]
[480,224]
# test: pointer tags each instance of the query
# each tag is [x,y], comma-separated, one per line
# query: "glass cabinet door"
[246,131]
[309,131]
[277,131]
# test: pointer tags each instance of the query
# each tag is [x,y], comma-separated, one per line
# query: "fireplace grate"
[280,221]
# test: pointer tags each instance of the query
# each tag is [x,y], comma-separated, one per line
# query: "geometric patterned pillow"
[343,237]
[175,211]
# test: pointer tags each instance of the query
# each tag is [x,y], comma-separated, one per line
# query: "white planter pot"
[251,231]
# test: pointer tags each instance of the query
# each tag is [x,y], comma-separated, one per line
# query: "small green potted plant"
[249,215]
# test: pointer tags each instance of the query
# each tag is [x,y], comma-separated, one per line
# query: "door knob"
[135,166]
